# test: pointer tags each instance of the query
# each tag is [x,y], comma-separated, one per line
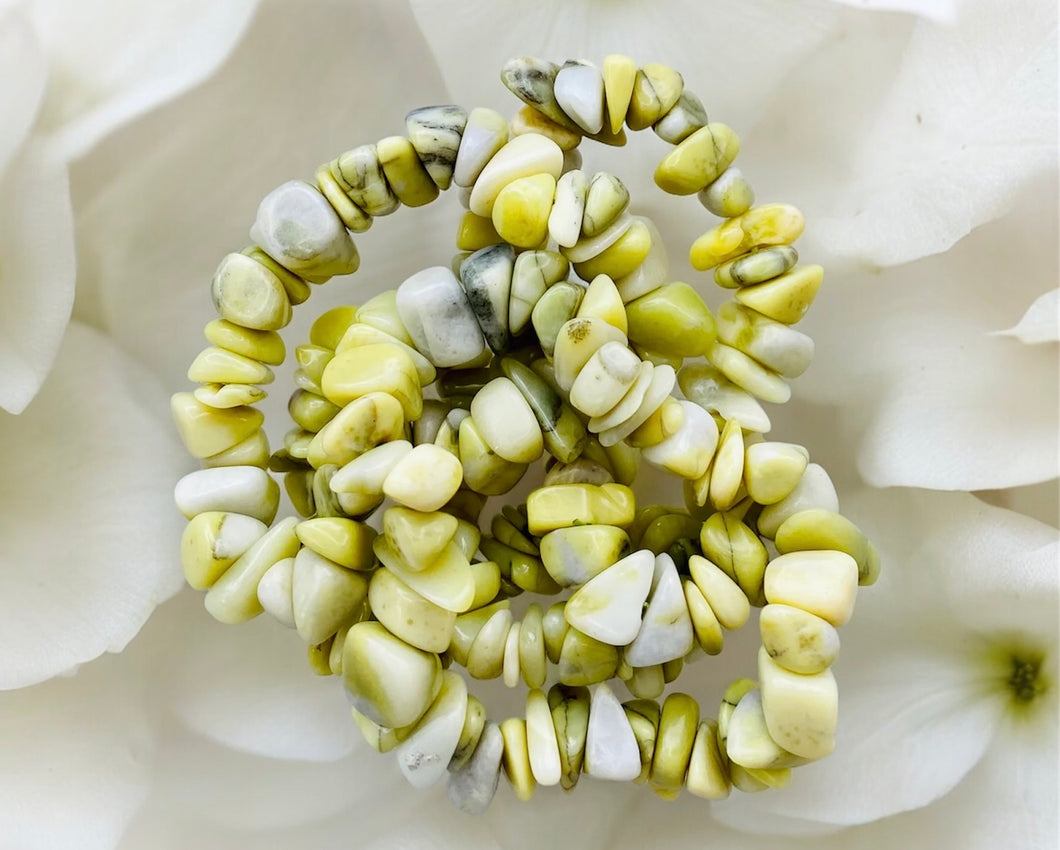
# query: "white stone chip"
[579,91]
[666,631]
[424,756]
[611,749]
[608,606]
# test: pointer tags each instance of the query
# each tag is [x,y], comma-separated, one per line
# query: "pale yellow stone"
[606,199]
[769,224]
[565,505]
[771,470]
[381,312]
[251,451]
[507,422]
[798,640]
[577,341]
[576,554]
[448,582]
[382,739]
[748,374]
[532,657]
[726,474]
[362,424]
[340,539]
[628,404]
[523,156]
[724,596]
[709,634]
[516,759]
[324,595]
[698,161]
[663,423]
[786,298]
[390,682]
[621,257]
[602,301]
[801,711]
[424,479]
[708,775]
[486,133]
[247,294]
[819,528]
[605,379]
[374,368]
[530,120]
[663,379]
[824,583]
[233,598]
[353,217]
[749,743]
[590,246]
[541,738]
[521,210]
[264,346]
[365,474]
[310,411]
[475,232]
[219,366]
[408,179]
[420,538]
[620,74]
[736,549]
[312,359]
[213,541]
[225,396]
[485,471]
[656,89]
[361,334]
[208,431]
[409,616]
[678,727]
[485,658]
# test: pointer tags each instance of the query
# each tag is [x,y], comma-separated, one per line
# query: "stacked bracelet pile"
[428,399]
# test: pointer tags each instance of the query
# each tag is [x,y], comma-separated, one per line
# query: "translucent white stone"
[541,739]
[565,220]
[824,583]
[666,630]
[605,379]
[274,592]
[247,490]
[814,490]
[298,228]
[611,749]
[801,711]
[687,452]
[435,311]
[424,756]
[424,479]
[471,787]
[608,607]
[506,422]
[579,91]
[366,473]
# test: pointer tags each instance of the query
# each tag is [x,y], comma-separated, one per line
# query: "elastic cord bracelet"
[556,333]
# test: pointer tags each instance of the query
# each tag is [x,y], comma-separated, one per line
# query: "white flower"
[81,568]
[223,738]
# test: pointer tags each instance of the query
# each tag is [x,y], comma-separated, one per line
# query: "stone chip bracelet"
[429,399]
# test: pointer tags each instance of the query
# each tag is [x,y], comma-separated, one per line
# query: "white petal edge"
[79,754]
[970,119]
[23,68]
[941,11]
[250,687]
[97,535]
[112,60]
[1041,322]
[37,270]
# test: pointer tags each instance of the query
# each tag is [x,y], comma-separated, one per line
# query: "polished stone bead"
[801,711]
[435,133]
[769,224]
[448,581]
[435,310]
[620,74]
[570,717]
[708,775]
[584,660]
[213,541]
[324,595]
[824,583]
[245,490]
[381,367]
[579,92]
[248,295]
[798,640]
[722,593]
[562,431]
[731,545]
[404,171]
[552,311]
[361,176]
[698,161]
[368,421]
[611,749]
[682,120]
[233,598]
[818,528]
[486,133]
[666,630]
[523,156]
[516,759]
[656,89]
[608,607]
[472,786]
[534,272]
[574,555]
[425,754]
[814,491]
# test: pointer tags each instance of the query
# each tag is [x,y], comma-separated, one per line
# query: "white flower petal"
[23,68]
[36,271]
[942,11]
[1041,322]
[95,535]
[77,755]
[198,781]
[1039,501]
[970,119]
[732,54]
[156,219]
[250,687]
[909,357]
[112,60]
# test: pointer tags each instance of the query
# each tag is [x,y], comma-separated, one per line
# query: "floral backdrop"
[920,139]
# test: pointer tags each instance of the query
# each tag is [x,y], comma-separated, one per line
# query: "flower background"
[920,138]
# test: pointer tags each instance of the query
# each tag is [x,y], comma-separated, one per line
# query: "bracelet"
[432,397]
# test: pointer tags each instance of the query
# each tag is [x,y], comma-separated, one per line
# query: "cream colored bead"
[485,659]
[666,630]
[366,422]
[234,596]
[628,404]
[448,582]
[424,479]
[213,541]
[689,451]
[523,156]
[771,470]
[578,340]
[409,616]
[611,749]
[708,775]
[798,640]
[609,606]
[486,133]
[324,595]
[801,712]
[565,218]
[247,294]
[390,682]
[663,379]
[606,199]
[749,743]
[824,583]
[592,246]
[602,301]
[724,596]
[727,472]
[541,739]
[276,592]
[425,754]
[605,379]
[245,490]
[507,422]
[365,474]
[748,374]
[814,490]
[219,366]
